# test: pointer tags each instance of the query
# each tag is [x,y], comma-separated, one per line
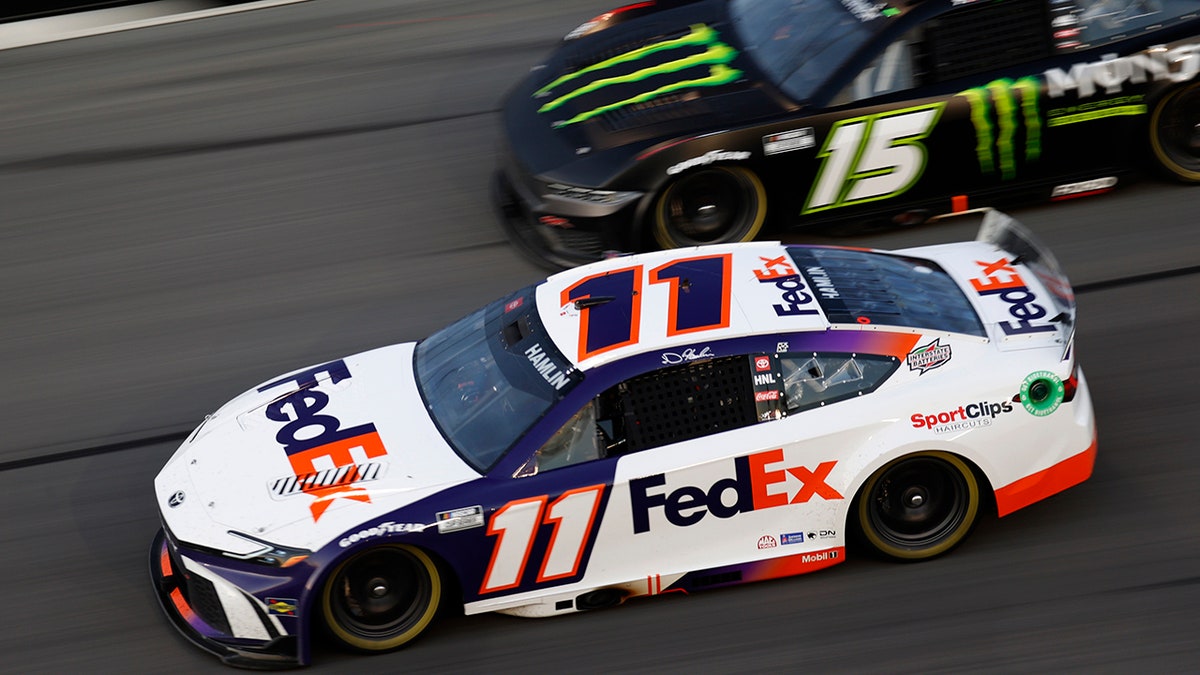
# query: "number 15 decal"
[872,157]
[515,526]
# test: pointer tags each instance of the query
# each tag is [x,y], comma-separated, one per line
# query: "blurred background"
[192,203]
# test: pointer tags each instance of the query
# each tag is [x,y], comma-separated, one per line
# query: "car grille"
[202,596]
[200,593]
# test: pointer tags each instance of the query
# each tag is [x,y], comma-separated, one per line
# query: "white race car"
[672,421]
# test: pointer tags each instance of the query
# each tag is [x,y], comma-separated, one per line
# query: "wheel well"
[451,587]
[1154,155]
[987,495]
[641,232]
[452,595]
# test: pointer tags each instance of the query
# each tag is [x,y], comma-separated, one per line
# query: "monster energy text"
[1111,72]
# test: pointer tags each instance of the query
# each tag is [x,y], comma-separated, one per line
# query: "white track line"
[116,19]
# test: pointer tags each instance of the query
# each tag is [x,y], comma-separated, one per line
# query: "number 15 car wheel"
[918,506]
[714,205]
[1175,133]
[382,598]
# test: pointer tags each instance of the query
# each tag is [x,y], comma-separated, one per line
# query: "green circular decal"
[1041,393]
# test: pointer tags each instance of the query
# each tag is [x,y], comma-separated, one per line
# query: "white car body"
[327,462]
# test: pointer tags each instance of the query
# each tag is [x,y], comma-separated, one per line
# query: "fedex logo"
[1000,279]
[315,441]
[752,487]
[795,295]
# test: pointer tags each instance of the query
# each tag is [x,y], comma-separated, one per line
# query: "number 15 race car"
[666,422]
[674,123]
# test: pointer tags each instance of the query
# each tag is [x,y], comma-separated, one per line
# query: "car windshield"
[488,377]
[798,43]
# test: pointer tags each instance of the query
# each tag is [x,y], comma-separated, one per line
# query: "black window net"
[690,401]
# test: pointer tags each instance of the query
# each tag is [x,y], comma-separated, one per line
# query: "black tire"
[1175,133]
[380,599]
[714,205]
[918,506]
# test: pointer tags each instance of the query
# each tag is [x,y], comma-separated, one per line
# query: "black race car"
[671,123]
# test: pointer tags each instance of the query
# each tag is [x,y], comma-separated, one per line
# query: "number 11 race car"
[667,422]
[674,123]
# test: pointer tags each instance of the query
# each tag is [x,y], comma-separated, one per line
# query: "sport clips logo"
[969,416]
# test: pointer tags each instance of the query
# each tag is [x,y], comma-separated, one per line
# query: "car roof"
[654,301]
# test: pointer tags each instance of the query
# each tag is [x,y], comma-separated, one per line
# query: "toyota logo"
[175,499]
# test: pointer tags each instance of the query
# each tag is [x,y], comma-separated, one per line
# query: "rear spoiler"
[1005,233]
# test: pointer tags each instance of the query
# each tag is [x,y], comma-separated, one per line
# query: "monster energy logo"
[994,143]
[716,55]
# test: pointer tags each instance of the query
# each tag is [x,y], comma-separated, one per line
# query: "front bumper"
[218,616]
[555,233]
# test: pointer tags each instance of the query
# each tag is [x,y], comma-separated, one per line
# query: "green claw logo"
[990,140]
[716,55]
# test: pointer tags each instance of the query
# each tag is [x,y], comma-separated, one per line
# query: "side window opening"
[897,68]
[578,441]
[701,398]
[814,380]
[1082,24]
[595,432]
[662,407]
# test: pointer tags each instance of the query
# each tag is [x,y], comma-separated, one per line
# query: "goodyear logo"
[681,54]
[998,111]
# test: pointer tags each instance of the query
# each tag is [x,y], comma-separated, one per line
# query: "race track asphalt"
[189,209]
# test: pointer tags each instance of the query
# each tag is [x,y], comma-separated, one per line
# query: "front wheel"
[1175,133]
[382,598]
[918,506]
[714,205]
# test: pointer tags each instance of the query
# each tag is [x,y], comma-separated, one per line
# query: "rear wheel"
[714,205]
[1175,133]
[382,598]
[918,506]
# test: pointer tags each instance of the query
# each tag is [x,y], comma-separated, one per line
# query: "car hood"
[633,85]
[307,456]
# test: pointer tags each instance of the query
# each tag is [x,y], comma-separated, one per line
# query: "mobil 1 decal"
[872,157]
